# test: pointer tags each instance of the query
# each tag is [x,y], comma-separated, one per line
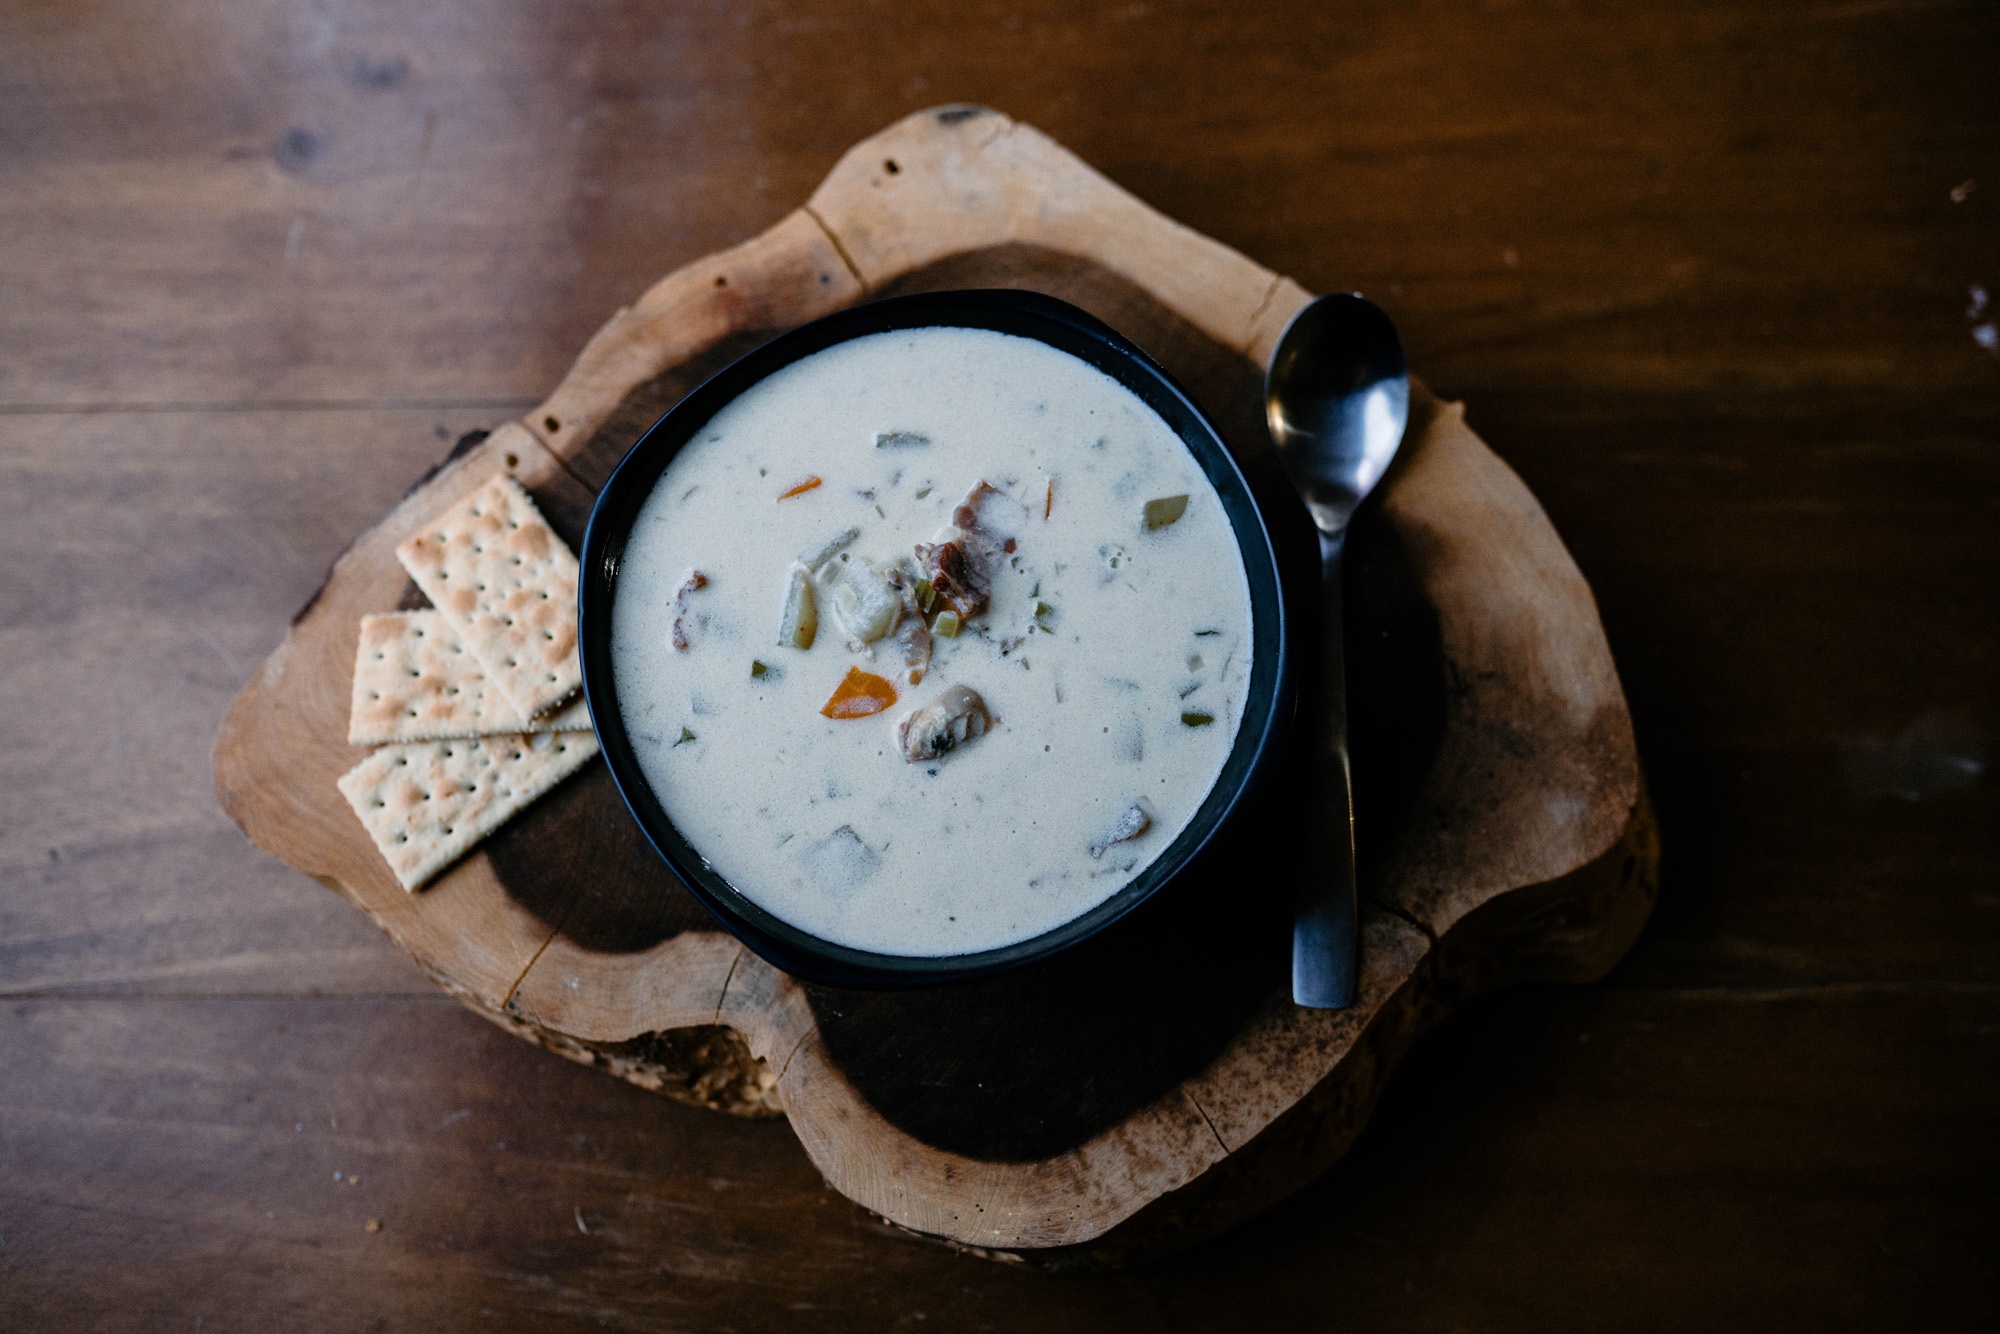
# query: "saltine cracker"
[415,680]
[497,570]
[427,803]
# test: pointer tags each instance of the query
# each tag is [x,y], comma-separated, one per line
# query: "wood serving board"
[1157,1084]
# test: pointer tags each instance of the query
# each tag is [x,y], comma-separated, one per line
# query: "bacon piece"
[694,582]
[955,577]
[989,513]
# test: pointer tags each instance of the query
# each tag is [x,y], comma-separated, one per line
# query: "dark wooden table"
[1709,277]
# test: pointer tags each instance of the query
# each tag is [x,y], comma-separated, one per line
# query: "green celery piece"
[1164,511]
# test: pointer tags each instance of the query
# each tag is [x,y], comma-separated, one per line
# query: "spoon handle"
[1325,936]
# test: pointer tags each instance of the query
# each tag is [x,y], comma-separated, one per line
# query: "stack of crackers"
[472,703]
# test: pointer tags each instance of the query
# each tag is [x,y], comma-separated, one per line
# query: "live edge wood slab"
[1157,1085]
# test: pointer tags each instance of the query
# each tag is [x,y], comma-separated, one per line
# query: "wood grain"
[1731,359]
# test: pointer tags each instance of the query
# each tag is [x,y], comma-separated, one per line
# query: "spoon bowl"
[1337,398]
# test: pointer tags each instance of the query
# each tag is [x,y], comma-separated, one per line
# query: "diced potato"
[800,622]
[866,603]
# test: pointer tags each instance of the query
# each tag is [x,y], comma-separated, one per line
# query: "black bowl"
[1062,326]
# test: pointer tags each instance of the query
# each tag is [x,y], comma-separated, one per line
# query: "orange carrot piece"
[859,695]
[799,490]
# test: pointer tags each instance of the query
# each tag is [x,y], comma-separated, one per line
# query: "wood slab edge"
[964,179]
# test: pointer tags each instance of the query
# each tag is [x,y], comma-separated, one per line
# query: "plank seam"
[254,405]
[427,998]
[1812,990]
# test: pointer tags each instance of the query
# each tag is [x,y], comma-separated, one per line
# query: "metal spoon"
[1337,398]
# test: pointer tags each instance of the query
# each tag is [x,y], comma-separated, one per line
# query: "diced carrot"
[799,490]
[859,695]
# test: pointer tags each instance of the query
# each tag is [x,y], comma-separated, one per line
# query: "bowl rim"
[1054,323]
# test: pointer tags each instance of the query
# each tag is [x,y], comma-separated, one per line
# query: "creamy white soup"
[932,641]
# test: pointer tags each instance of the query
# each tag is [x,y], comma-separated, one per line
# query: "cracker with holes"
[427,803]
[507,584]
[415,680]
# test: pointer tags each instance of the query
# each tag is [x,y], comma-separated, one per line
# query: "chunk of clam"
[938,728]
[1131,824]
[913,636]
